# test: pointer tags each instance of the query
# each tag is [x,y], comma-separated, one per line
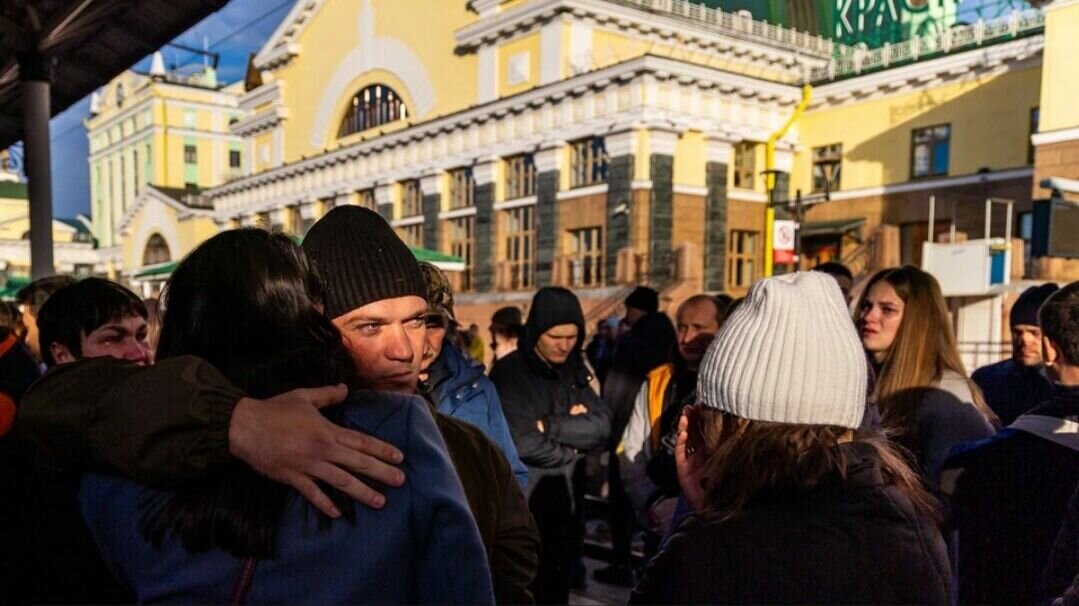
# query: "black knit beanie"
[644,299]
[361,259]
[1025,310]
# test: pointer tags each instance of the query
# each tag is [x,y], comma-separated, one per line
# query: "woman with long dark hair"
[791,504]
[249,303]
[926,401]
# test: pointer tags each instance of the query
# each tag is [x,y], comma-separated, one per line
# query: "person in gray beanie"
[1014,386]
[791,504]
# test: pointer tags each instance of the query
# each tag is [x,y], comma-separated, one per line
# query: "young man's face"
[386,340]
[123,339]
[556,345]
[29,322]
[1027,345]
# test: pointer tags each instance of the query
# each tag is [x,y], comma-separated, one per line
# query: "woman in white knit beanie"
[790,505]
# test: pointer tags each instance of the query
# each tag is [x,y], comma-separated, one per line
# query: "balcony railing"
[738,24]
[853,61]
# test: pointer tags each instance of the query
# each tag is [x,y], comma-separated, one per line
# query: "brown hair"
[745,460]
[923,350]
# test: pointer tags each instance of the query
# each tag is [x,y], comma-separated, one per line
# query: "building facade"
[597,144]
[156,141]
[73,243]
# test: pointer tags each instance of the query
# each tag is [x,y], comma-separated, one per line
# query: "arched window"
[157,251]
[373,106]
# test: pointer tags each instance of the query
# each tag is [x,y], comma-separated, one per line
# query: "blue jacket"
[422,547]
[461,390]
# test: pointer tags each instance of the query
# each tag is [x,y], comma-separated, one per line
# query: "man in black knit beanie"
[376,295]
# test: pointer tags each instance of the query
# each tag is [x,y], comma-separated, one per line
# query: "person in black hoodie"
[555,417]
[1010,492]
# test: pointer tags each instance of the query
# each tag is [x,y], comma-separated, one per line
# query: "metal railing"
[851,61]
[976,354]
[738,24]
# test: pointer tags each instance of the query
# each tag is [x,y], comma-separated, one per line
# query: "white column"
[549,156]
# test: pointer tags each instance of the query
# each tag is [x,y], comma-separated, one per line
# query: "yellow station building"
[598,144]
[157,140]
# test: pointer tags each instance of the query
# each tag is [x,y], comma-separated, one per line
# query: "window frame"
[372,106]
[932,144]
[191,151]
[739,254]
[589,162]
[520,252]
[462,188]
[365,198]
[579,254]
[520,179]
[411,198]
[463,246]
[819,159]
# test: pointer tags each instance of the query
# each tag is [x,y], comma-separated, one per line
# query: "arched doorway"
[156,251]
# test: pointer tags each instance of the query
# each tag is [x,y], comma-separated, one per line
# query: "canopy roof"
[86,42]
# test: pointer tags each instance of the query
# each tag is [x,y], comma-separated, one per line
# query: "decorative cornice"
[660,68]
[256,123]
[282,45]
[725,33]
[267,93]
[1001,58]
[150,193]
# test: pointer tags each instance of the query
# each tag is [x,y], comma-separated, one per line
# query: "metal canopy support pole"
[36,106]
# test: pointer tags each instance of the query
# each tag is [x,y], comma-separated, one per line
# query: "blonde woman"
[927,402]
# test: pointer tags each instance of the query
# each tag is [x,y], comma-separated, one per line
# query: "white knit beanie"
[789,354]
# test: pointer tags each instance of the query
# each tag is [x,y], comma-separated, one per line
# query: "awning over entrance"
[830,228]
[162,271]
[12,286]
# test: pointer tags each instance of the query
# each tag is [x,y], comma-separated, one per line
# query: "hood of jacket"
[453,371]
[553,306]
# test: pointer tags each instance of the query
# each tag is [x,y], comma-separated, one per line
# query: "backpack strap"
[243,582]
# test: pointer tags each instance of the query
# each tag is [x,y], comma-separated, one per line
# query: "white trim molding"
[690,190]
[384,193]
[938,183]
[416,220]
[1063,135]
[431,184]
[580,192]
[518,203]
[744,195]
[457,213]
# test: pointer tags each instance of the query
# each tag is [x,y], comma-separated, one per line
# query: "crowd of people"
[311,424]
